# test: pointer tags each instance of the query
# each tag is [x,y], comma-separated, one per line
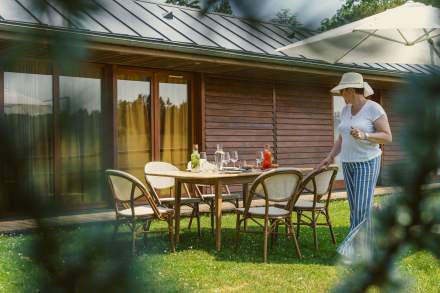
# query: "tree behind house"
[287,17]
[354,10]
[187,3]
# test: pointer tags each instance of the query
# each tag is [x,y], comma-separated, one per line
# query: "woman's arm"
[333,153]
[382,135]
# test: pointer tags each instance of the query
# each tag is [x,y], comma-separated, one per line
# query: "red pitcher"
[267,157]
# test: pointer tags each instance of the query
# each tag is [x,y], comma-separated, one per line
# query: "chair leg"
[266,228]
[298,223]
[133,238]
[171,234]
[327,216]
[237,232]
[197,207]
[212,211]
[193,214]
[292,232]
[115,230]
[315,236]
[271,233]
[146,227]
[274,233]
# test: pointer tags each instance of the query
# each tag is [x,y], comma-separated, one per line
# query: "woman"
[364,125]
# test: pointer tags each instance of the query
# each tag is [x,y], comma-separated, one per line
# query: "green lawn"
[196,266]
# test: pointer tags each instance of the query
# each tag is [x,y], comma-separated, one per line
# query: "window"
[28,117]
[80,138]
[55,122]
[134,122]
[153,119]
[174,120]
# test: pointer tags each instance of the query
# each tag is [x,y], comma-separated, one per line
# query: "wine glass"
[259,158]
[227,158]
[234,157]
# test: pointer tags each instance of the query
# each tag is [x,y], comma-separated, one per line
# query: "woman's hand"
[357,134]
[324,163]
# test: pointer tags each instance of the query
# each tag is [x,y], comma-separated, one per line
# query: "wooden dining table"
[216,179]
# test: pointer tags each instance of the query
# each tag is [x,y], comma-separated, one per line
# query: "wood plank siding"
[244,115]
[304,125]
[392,152]
[295,118]
[239,115]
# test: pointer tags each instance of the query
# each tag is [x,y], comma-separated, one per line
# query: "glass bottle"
[219,157]
[195,157]
[267,157]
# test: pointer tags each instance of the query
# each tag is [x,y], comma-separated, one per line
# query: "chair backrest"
[279,185]
[126,189]
[320,182]
[159,182]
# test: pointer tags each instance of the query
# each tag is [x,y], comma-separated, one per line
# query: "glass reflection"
[28,117]
[174,121]
[134,122]
[80,124]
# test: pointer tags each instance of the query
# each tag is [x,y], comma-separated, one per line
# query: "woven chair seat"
[144,211]
[308,205]
[260,211]
[232,196]
[183,200]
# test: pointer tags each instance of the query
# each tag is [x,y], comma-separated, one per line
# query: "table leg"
[245,193]
[218,216]
[177,210]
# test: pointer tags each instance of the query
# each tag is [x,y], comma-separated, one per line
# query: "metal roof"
[163,23]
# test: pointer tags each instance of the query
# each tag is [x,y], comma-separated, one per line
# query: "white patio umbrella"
[405,34]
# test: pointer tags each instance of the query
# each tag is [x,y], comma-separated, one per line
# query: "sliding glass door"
[28,115]
[80,138]
[153,119]
[54,123]
[134,121]
[174,120]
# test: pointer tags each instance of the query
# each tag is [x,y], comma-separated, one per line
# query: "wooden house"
[154,80]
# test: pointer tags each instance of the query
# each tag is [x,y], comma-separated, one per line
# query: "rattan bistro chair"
[136,206]
[160,183]
[319,183]
[207,195]
[279,185]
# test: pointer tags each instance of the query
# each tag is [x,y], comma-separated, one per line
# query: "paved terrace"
[23,225]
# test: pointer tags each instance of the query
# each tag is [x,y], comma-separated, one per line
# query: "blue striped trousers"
[360,181]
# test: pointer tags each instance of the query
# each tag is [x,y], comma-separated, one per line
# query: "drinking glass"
[227,158]
[259,158]
[234,157]
[203,160]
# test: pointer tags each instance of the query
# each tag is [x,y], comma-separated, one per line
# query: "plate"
[232,171]
[231,168]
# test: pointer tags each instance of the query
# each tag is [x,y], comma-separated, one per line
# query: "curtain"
[174,126]
[80,127]
[134,122]
[28,119]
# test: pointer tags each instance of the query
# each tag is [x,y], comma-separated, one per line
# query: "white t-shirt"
[354,150]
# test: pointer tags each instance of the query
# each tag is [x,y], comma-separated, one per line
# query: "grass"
[196,266]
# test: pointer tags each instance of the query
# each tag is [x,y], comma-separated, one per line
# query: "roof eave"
[199,50]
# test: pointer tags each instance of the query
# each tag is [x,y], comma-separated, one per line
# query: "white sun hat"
[352,80]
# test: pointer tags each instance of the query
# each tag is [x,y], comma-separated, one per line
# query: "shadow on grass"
[251,244]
